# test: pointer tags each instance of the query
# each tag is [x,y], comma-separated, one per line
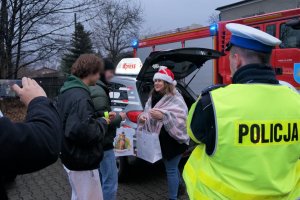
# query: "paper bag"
[123,143]
[148,146]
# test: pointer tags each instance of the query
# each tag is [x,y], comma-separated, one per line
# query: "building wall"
[257,8]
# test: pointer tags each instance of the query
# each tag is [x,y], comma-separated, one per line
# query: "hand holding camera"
[29,91]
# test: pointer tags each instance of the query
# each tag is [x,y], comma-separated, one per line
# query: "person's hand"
[29,91]
[155,114]
[142,119]
[107,120]
[112,116]
[123,115]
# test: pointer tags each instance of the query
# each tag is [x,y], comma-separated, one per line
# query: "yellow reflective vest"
[257,146]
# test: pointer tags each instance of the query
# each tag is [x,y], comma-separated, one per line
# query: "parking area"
[143,182]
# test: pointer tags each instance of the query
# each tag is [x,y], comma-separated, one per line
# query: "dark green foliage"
[80,44]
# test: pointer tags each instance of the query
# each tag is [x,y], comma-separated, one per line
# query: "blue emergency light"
[135,43]
[213,29]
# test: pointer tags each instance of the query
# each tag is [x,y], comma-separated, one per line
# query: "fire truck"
[285,60]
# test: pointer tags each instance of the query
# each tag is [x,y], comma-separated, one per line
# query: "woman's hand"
[155,114]
[142,119]
[123,115]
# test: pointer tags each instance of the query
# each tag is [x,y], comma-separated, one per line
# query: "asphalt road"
[143,182]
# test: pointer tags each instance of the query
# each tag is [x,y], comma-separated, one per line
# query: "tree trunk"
[17,65]
[3,23]
[9,39]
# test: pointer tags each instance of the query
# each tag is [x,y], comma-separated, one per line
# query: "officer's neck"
[255,73]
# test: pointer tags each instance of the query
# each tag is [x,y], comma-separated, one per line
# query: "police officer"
[248,132]
[32,145]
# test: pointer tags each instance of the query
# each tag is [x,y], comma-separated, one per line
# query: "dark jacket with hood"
[30,146]
[84,129]
[100,96]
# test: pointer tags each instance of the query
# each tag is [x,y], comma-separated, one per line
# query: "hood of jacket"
[73,82]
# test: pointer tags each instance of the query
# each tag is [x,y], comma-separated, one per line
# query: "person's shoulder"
[75,95]
[179,98]
[97,91]
[204,100]
[80,90]
[210,88]
[94,88]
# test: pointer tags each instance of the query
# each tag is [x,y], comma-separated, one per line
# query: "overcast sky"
[163,15]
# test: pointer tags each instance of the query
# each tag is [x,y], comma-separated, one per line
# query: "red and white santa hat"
[165,74]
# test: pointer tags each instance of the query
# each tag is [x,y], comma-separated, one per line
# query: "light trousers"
[85,185]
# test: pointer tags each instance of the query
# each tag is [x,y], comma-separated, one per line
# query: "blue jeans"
[173,175]
[109,175]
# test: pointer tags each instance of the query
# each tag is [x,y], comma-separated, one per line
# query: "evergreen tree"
[81,43]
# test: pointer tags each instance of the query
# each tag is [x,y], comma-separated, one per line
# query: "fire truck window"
[290,37]
[257,27]
[271,29]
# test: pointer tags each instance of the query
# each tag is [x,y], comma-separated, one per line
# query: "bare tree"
[117,23]
[34,30]
[213,18]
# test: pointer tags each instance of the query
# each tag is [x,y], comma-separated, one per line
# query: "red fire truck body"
[284,57]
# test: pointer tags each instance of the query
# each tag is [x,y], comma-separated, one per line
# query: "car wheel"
[122,167]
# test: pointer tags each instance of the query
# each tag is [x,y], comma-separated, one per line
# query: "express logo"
[129,66]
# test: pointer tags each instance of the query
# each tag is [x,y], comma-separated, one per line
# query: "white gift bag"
[148,146]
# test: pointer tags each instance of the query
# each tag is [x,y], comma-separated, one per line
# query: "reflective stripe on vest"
[258,149]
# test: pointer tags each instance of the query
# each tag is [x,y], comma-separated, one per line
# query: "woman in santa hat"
[166,111]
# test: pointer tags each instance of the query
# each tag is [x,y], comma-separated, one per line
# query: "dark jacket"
[100,96]
[203,122]
[83,128]
[30,146]
[170,148]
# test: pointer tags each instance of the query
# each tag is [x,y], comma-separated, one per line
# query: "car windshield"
[290,37]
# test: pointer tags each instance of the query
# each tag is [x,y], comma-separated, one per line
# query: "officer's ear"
[235,61]
[239,60]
